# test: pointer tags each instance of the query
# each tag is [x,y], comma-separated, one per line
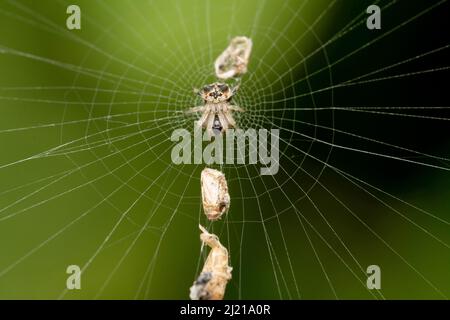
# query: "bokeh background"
[86,176]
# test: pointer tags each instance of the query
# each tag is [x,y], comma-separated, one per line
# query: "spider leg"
[234,89]
[223,121]
[235,108]
[195,109]
[196,91]
[229,119]
[204,118]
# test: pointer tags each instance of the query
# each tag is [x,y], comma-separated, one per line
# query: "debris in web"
[215,197]
[234,60]
[212,281]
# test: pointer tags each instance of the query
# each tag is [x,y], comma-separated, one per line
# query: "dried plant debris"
[234,60]
[216,273]
[215,197]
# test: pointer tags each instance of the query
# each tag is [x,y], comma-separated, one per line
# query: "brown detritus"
[215,197]
[216,272]
[234,60]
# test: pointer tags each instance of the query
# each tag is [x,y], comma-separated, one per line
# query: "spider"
[217,116]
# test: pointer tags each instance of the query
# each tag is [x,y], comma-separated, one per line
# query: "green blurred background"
[86,176]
